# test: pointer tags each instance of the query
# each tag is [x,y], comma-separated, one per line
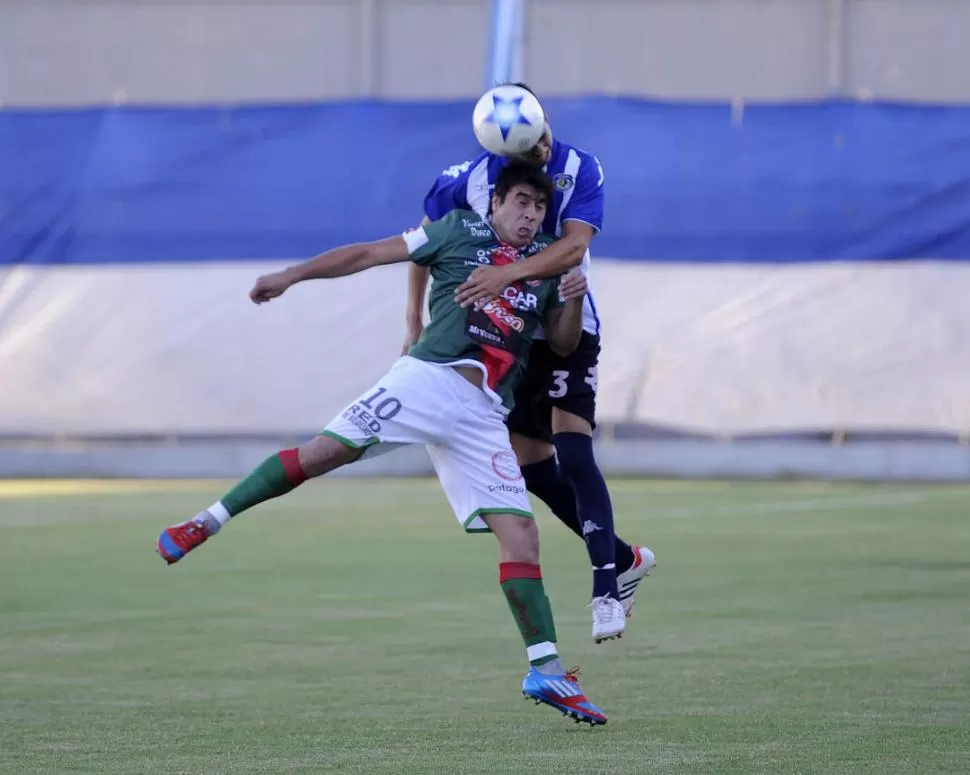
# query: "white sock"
[214,518]
[218,511]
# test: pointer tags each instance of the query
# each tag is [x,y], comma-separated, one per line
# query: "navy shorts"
[551,380]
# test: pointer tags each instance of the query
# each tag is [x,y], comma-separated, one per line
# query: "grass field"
[353,628]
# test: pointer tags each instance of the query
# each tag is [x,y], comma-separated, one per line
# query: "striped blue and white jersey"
[578,182]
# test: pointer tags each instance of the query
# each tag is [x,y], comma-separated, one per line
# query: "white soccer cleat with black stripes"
[628,581]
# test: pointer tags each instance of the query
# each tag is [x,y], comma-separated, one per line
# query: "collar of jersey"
[488,222]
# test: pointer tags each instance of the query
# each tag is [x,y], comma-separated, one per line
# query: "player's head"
[522,194]
[541,152]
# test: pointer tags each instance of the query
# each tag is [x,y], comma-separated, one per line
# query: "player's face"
[518,217]
[541,152]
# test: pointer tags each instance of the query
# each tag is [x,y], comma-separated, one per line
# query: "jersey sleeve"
[426,242]
[586,203]
[449,192]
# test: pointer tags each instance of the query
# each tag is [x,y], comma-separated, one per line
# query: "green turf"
[352,627]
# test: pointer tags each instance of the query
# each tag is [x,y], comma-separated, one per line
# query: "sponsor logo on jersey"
[520,300]
[497,311]
[476,228]
[482,333]
[563,181]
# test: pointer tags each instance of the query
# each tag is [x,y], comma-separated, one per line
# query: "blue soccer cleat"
[563,693]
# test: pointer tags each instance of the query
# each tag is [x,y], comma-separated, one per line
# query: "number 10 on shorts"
[368,421]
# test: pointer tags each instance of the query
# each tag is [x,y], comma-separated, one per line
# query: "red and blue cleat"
[563,693]
[178,540]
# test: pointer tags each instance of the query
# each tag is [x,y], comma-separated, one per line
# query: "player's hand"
[573,285]
[414,329]
[484,284]
[269,286]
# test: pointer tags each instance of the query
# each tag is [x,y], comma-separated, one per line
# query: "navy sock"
[547,482]
[624,555]
[575,452]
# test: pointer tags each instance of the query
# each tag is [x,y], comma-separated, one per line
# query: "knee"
[575,451]
[323,454]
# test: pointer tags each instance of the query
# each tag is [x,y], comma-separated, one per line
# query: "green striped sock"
[522,584]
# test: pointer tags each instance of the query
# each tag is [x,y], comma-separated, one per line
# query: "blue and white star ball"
[508,120]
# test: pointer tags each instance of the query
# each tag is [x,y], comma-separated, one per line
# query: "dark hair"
[526,87]
[523,173]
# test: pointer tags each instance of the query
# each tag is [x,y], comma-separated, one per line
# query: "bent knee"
[323,454]
[575,451]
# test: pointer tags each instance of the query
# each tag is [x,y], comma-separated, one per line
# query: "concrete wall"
[93,51]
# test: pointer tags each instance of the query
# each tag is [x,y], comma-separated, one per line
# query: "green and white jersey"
[494,336]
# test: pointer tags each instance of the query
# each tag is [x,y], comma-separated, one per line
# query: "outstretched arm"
[339,262]
[488,282]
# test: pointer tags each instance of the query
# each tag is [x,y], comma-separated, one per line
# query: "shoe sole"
[575,715]
[604,638]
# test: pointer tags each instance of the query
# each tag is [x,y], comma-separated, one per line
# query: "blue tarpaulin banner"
[684,182]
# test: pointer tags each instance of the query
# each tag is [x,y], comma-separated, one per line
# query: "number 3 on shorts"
[560,386]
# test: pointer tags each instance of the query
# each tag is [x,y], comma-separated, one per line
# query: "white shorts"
[418,402]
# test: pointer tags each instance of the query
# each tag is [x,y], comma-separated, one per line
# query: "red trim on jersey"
[290,458]
[499,363]
[508,571]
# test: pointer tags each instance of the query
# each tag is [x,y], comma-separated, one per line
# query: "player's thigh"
[570,386]
[530,450]
[478,470]
[529,418]
[414,403]
[530,421]
[567,422]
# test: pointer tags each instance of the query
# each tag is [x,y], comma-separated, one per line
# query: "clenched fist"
[269,286]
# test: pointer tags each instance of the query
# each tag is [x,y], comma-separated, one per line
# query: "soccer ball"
[508,120]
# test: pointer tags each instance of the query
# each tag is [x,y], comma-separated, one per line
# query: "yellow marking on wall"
[48,488]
